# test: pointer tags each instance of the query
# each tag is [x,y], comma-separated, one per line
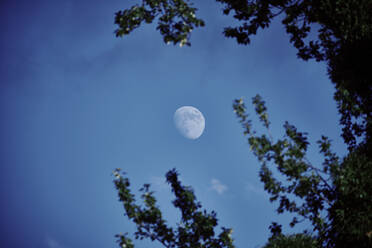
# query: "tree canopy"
[334,198]
[195,229]
[295,240]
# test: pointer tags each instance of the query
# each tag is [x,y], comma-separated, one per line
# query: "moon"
[189,121]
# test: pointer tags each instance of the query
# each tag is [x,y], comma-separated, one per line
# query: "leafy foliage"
[351,214]
[339,21]
[342,190]
[295,240]
[344,41]
[195,229]
[176,19]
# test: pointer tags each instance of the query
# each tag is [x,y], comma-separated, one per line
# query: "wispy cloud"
[158,183]
[254,189]
[52,243]
[218,186]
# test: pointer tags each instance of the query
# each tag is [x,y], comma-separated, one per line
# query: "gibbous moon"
[189,121]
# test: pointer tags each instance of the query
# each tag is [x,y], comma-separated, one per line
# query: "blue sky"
[76,103]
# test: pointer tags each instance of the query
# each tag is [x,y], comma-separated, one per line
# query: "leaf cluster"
[295,240]
[195,229]
[351,214]
[176,19]
[335,197]
[288,154]
[344,38]
[339,21]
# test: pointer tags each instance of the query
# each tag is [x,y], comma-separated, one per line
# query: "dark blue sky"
[76,102]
